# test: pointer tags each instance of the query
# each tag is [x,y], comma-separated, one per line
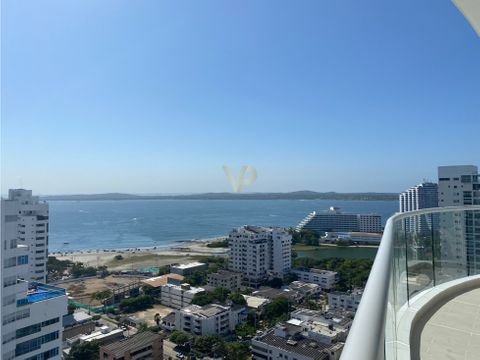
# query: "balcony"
[422,297]
[39,292]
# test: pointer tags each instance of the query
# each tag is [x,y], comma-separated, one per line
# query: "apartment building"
[325,278]
[459,185]
[31,311]
[259,252]
[421,196]
[211,319]
[225,279]
[32,230]
[144,345]
[187,269]
[334,220]
[291,341]
[345,300]
[178,296]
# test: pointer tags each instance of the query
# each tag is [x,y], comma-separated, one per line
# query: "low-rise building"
[337,318]
[211,319]
[305,289]
[256,303]
[225,279]
[272,293]
[325,278]
[187,269]
[145,345]
[345,300]
[178,296]
[168,322]
[159,281]
[77,323]
[291,341]
[354,236]
[103,336]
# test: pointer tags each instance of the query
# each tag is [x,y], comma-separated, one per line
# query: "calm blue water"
[144,223]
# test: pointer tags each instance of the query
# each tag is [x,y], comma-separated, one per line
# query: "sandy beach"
[151,256]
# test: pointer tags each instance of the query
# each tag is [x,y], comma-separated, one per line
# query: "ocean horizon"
[119,224]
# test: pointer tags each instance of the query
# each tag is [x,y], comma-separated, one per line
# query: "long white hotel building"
[31,311]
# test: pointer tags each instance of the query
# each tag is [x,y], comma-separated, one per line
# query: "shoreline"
[177,245]
[147,256]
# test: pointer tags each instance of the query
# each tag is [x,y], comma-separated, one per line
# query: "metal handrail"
[366,340]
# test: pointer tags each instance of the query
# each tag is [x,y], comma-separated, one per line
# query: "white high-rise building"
[259,252]
[31,311]
[32,230]
[457,186]
[421,196]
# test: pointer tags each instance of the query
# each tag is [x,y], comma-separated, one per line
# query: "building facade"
[32,230]
[345,300]
[259,253]
[178,296]
[291,341]
[211,319]
[457,186]
[31,311]
[326,279]
[335,220]
[144,345]
[225,279]
[421,196]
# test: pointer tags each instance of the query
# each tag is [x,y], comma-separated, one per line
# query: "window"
[22,260]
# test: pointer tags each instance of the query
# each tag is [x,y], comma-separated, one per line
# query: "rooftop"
[302,346]
[205,311]
[255,302]
[138,341]
[78,317]
[39,292]
[189,265]
[162,280]
[224,274]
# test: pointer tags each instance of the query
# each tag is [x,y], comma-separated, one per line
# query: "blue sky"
[156,96]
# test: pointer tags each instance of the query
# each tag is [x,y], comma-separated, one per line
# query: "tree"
[118,257]
[237,298]
[179,337]
[277,310]
[149,290]
[289,278]
[197,278]
[71,308]
[276,283]
[138,303]
[237,351]
[162,270]
[245,330]
[84,351]
[219,295]
[208,344]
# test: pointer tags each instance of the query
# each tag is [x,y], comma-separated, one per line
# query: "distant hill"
[296,195]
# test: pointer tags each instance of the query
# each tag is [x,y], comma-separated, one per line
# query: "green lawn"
[323,252]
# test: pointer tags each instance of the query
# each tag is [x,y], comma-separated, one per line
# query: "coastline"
[184,249]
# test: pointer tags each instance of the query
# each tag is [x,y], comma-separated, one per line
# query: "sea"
[122,224]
